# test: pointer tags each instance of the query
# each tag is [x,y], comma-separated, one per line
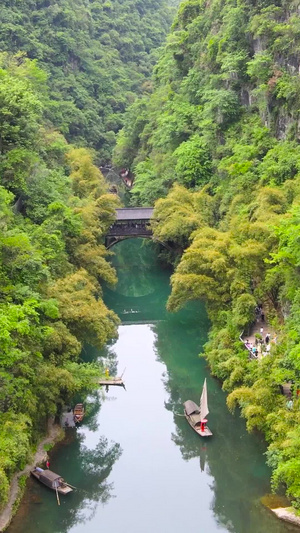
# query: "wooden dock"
[107,382]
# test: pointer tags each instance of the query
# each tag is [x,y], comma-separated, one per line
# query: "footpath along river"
[139,466]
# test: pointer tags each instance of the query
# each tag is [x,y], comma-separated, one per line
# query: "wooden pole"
[76,488]
[57,497]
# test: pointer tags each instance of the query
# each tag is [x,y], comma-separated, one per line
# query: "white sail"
[203,402]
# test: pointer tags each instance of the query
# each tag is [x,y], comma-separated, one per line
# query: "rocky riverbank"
[281,507]
[287,514]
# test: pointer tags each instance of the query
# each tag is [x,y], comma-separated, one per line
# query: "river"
[138,465]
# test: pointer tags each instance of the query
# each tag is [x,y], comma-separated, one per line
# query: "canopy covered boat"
[78,412]
[196,415]
[51,480]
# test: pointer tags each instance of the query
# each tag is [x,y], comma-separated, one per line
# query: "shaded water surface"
[139,466]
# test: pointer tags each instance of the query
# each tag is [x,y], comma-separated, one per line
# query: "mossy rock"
[273,501]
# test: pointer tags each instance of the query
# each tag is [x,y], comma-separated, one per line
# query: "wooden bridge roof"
[134,213]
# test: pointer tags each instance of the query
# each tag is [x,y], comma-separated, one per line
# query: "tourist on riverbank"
[254,351]
[289,404]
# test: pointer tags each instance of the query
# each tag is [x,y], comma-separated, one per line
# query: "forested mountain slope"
[54,210]
[98,54]
[68,70]
[229,72]
[219,138]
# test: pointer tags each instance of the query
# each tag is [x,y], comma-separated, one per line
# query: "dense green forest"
[216,146]
[212,138]
[98,54]
[67,72]
[55,208]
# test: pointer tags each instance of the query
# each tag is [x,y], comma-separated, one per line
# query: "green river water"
[139,467]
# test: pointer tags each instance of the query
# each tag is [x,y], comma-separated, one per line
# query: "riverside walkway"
[260,327]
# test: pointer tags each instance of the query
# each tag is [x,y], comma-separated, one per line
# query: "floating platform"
[107,382]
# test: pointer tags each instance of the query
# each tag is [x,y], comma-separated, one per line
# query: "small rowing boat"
[51,480]
[196,416]
[78,412]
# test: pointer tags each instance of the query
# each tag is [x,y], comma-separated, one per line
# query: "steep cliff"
[229,72]
[217,144]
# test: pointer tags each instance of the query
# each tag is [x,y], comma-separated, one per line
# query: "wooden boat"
[51,480]
[112,381]
[196,416]
[78,412]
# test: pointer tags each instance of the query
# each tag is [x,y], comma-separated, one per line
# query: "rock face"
[286,514]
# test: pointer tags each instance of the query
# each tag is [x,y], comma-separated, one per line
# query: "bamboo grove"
[216,146]
[67,72]
[52,263]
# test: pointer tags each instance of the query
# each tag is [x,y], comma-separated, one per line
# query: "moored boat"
[78,412]
[51,480]
[196,415]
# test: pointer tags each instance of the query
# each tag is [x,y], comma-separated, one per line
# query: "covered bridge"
[130,222]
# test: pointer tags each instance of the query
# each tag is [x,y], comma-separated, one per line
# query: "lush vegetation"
[98,54]
[213,137]
[217,145]
[54,210]
[68,70]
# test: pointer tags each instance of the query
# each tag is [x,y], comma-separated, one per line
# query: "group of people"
[262,345]
[259,313]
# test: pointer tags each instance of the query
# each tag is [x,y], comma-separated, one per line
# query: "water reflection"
[232,461]
[161,477]
[139,270]
[87,469]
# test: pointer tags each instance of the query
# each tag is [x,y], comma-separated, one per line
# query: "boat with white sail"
[196,415]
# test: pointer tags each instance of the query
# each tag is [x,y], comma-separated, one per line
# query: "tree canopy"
[216,146]
[97,55]
[55,210]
